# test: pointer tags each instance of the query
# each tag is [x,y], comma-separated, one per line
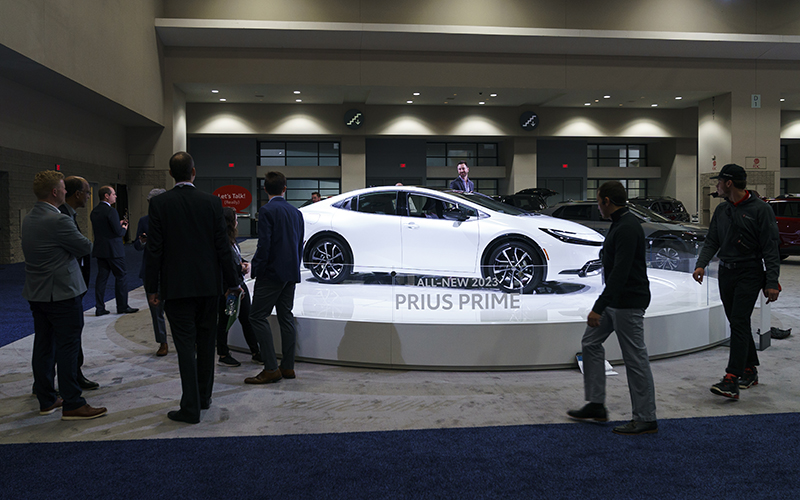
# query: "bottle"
[230,305]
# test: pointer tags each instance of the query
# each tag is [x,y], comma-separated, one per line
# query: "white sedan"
[415,230]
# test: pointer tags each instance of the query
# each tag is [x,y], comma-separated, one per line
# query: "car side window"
[577,212]
[378,203]
[425,207]
[788,209]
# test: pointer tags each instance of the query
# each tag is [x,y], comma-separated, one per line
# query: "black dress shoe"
[180,416]
[128,310]
[87,384]
[590,411]
[102,312]
[635,427]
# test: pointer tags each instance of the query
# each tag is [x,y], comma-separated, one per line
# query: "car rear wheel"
[329,260]
[667,257]
[514,266]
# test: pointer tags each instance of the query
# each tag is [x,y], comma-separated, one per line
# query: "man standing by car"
[462,182]
[276,268]
[744,233]
[620,308]
[109,252]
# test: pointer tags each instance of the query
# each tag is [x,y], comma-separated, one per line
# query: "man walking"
[109,252]
[744,233]
[77,196]
[276,268]
[188,259]
[462,182]
[620,308]
[54,287]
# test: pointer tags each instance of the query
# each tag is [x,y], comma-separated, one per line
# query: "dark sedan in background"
[672,245]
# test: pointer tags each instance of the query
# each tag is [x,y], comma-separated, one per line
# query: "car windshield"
[649,215]
[486,202]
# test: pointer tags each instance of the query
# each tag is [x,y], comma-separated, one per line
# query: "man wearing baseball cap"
[744,234]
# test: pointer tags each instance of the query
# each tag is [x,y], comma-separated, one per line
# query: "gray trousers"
[629,325]
[266,296]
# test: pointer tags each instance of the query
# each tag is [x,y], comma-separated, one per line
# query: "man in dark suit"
[109,252]
[462,182]
[188,259]
[78,193]
[140,244]
[54,287]
[276,268]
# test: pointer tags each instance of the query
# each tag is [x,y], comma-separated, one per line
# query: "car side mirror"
[457,214]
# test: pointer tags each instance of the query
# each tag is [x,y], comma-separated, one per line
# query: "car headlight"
[569,237]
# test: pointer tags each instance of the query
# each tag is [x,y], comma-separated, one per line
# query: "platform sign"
[755,162]
[236,197]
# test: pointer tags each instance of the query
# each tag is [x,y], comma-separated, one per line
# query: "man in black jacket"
[620,308]
[188,260]
[744,233]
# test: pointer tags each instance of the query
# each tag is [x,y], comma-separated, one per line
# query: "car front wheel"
[667,257]
[329,260]
[515,266]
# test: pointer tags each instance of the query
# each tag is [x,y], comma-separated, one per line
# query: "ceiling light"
[492,95]
[597,100]
[782,99]
[587,104]
[416,93]
[654,105]
[222,99]
[678,98]
[214,91]
[298,100]
[606,97]
[296,91]
[409,102]
[482,102]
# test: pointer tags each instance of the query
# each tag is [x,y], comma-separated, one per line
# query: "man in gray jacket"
[54,287]
[744,234]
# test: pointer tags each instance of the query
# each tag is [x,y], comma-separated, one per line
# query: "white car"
[415,230]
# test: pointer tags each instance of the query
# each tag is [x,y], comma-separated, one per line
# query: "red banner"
[236,197]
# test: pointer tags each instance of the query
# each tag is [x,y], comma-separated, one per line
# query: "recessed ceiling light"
[409,102]
[482,102]
[492,95]
[782,99]
[654,105]
[606,97]
[587,104]
[597,100]
[214,91]
[678,98]
[416,93]
[298,100]
[296,91]
[222,99]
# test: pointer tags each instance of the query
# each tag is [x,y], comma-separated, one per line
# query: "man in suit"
[78,193]
[462,182]
[188,259]
[54,287]
[140,244]
[109,252]
[276,268]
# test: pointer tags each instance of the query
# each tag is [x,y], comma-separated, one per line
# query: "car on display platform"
[422,231]
[787,215]
[672,245]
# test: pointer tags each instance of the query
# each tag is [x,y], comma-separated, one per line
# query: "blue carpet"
[747,457]
[17,319]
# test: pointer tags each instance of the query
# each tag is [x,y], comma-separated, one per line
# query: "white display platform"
[445,327]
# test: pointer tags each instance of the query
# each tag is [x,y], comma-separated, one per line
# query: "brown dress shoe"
[265,377]
[85,412]
[53,407]
[163,349]
[287,373]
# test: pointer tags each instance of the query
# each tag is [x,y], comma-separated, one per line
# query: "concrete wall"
[742,16]
[109,47]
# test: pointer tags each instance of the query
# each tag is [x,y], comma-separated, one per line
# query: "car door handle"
[411,225]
